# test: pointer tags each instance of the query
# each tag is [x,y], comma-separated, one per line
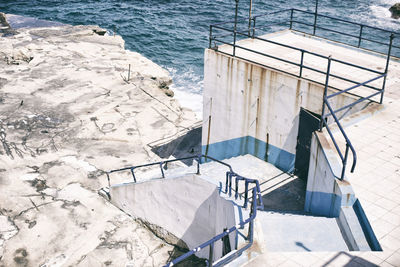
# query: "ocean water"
[174,33]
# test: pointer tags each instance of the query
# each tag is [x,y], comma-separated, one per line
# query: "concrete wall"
[187,208]
[326,195]
[248,109]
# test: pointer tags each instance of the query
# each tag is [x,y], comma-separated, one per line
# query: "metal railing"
[164,165]
[361,37]
[255,200]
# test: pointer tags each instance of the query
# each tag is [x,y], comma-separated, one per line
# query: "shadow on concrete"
[190,261]
[340,258]
[287,197]
[300,244]
[185,145]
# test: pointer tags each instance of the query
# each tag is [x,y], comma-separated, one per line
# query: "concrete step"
[300,232]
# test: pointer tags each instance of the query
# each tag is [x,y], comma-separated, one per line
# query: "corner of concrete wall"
[325,194]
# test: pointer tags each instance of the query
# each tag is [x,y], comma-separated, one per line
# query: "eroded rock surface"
[68,112]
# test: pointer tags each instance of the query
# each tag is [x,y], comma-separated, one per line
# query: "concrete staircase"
[282,225]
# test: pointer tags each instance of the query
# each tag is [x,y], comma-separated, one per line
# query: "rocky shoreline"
[68,111]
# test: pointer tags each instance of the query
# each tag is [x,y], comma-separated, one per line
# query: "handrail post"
[108,179]
[210,38]
[254,27]
[360,36]
[291,19]
[344,162]
[161,168]
[246,194]
[133,174]
[387,66]
[328,70]
[235,27]
[315,16]
[301,63]
[198,165]
[250,9]
[211,255]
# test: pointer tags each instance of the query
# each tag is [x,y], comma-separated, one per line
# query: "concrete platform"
[297,232]
[326,48]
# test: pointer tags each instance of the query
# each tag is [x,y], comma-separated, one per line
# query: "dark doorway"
[308,123]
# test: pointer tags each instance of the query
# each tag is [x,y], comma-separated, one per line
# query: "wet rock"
[395,10]
[100,32]
[169,92]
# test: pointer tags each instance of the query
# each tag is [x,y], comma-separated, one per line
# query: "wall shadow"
[183,146]
[285,197]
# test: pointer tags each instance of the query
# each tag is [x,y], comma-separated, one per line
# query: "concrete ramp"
[186,210]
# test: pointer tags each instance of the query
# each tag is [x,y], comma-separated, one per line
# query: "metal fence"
[255,200]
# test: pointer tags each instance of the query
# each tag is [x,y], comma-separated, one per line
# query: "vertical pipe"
[211,255]
[315,16]
[226,182]
[250,9]
[254,27]
[198,165]
[301,63]
[235,27]
[210,37]
[387,66]
[246,193]
[133,175]
[108,179]
[360,36]
[162,171]
[344,161]
[291,18]
[328,70]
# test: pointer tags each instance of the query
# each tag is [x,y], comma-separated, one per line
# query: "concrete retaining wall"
[186,209]
[249,109]
[325,194]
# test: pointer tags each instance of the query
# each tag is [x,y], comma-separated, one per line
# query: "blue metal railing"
[360,38]
[255,199]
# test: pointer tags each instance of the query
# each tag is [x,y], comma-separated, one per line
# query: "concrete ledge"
[351,230]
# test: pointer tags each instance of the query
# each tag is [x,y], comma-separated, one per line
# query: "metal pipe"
[291,19]
[344,162]
[162,171]
[387,66]
[324,99]
[254,27]
[250,9]
[301,63]
[235,27]
[359,38]
[210,37]
[133,174]
[315,16]
[211,255]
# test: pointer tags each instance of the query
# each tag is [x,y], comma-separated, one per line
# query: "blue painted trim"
[366,227]
[323,204]
[249,145]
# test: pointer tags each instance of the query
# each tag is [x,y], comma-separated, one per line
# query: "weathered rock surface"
[395,10]
[67,113]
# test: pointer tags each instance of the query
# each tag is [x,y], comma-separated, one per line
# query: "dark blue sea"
[174,33]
